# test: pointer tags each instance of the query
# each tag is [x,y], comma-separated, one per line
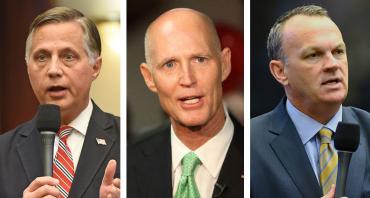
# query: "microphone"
[48,123]
[346,140]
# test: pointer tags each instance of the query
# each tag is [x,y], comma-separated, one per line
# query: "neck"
[320,112]
[195,136]
[68,115]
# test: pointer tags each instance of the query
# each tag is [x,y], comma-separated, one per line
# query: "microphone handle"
[343,163]
[47,139]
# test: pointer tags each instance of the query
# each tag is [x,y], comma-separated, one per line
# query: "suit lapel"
[29,154]
[289,149]
[92,154]
[357,167]
[154,176]
[230,180]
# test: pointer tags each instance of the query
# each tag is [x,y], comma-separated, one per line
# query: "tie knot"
[64,132]
[325,135]
[189,162]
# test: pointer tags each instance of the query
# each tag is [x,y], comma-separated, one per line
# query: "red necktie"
[63,164]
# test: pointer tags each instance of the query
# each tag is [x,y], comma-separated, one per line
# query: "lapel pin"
[101,141]
[242,176]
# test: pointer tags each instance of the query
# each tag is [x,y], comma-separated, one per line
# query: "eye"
[312,55]
[200,59]
[69,57]
[41,57]
[339,51]
[169,64]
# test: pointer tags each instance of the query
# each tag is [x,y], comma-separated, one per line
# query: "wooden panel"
[17,103]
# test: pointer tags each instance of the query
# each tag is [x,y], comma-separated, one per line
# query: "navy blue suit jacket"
[149,167]
[280,166]
[20,156]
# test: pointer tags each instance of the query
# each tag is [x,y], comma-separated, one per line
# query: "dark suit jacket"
[149,167]
[20,156]
[280,166]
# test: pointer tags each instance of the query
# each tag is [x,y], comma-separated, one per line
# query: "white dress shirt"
[76,139]
[211,155]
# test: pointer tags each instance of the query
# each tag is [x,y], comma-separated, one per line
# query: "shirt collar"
[211,154]
[81,122]
[306,126]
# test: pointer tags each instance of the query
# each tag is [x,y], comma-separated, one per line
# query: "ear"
[97,67]
[277,69]
[226,63]
[148,77]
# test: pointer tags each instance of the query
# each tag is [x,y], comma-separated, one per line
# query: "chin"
[192,121]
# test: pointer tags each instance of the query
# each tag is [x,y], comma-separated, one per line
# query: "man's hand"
[42,187]
[331,193]
[110,187]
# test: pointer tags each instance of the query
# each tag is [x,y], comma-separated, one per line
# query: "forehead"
[173,39]
[64,33]
[301,30]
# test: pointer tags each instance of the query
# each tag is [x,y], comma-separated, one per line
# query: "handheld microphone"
[346,140]
[48,123]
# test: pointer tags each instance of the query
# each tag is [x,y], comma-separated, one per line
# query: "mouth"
[332,81]
[190,99]
[56,88]
[57,91]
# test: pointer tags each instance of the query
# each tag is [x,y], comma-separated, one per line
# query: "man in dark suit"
[63,59]
[200,152]
[289,155]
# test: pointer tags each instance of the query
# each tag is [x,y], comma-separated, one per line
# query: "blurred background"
[17,101]
[351,18]
[143,109]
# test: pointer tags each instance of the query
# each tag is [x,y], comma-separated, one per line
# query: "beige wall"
[106,88]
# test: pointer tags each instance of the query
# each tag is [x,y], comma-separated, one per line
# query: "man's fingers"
[40,181]
[110,170]
[331,193]
[42,191]
[117,182]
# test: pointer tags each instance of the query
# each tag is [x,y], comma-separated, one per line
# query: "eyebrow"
[314,48]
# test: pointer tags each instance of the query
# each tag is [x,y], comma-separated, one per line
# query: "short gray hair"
[274,40]
[91,37]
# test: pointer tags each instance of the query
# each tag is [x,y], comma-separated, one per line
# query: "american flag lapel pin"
[101,141]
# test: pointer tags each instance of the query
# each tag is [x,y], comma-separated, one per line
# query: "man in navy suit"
[309,59]
[185,66]
[63,59]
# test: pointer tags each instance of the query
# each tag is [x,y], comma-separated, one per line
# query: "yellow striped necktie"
[328,161]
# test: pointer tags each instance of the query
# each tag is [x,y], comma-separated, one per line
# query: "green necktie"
[328,161]
[187,187]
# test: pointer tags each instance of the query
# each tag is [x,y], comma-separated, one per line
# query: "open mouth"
[331,81]
[191,99]
[56,88]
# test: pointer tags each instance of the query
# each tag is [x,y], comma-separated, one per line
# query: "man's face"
[316,62]
[59,68]
[187,74]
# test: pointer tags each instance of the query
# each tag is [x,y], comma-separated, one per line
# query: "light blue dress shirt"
[307,129]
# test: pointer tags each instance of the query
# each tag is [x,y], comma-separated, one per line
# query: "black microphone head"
[48,118]
[347,137]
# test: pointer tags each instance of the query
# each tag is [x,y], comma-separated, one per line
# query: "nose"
[332,62]
[187,77]
[55,68]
